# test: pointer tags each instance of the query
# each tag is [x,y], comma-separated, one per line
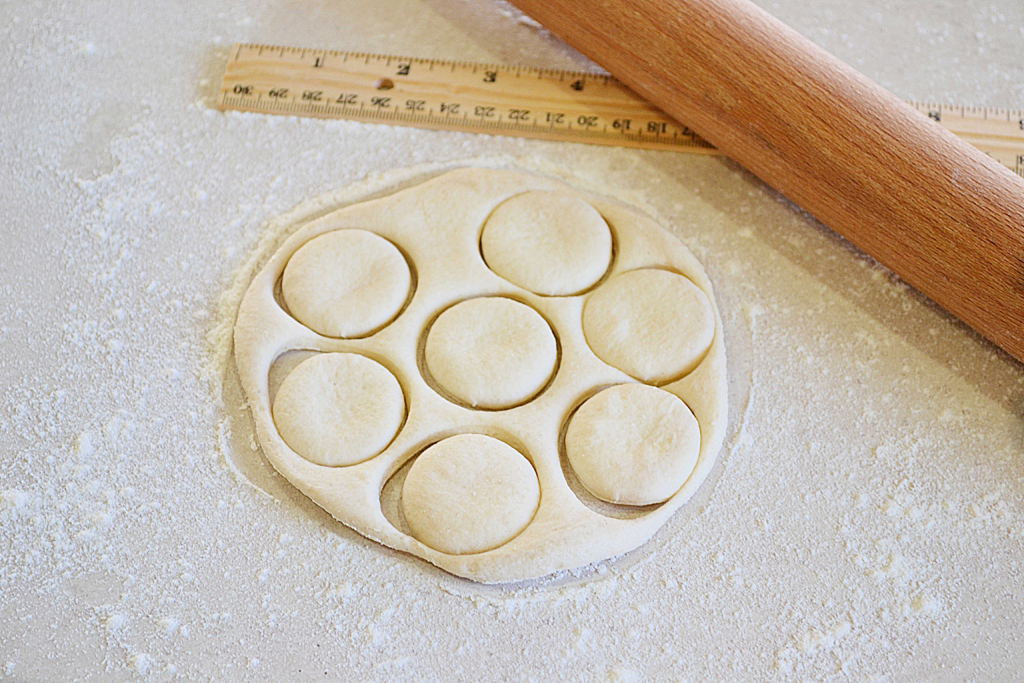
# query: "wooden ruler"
[509,100]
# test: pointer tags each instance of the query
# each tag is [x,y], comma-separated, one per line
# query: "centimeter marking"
[509,100]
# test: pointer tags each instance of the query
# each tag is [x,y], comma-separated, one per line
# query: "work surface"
[864,522]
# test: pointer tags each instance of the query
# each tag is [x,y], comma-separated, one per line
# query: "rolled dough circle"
[339,409]
[468,494]
[652,324]
[462,337]
[491,353]
[633,444]
[346,283]
[549,243]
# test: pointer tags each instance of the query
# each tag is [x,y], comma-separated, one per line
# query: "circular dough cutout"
[339,409]
[549,243]
[652,324]
[469,494]
[633,444]
[346,283]
[491,353]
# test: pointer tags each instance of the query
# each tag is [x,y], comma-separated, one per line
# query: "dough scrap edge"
[263,332]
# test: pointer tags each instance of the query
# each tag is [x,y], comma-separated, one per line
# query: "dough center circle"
[549,243]
[491,353]
[633,444]
[339,409]
[468,494]
[652,324]
[346,283]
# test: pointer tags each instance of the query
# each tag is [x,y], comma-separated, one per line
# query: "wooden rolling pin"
[942,215]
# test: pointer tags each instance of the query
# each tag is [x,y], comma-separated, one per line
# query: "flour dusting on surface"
[865,522]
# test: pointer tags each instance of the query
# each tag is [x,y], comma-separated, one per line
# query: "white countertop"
[865,523]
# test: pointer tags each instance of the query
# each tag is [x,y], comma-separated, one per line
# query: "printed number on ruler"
[509,100]
[447,95]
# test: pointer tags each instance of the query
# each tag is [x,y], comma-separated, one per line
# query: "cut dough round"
[633,444]
[473,356]
[491,353]
[346,283]
[339,409]
[469,493]
[652,324]
[549,243]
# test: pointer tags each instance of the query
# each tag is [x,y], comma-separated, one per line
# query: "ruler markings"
[495,98]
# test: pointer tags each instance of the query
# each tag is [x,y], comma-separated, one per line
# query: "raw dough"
[347,283]
[468,494]
[491,353]
[633,444]
[470,337]
[551,243]
[339,408]
[652,324]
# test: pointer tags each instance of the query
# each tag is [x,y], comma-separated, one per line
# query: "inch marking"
[502,99]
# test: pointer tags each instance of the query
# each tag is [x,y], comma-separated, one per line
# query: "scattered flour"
[865,523]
